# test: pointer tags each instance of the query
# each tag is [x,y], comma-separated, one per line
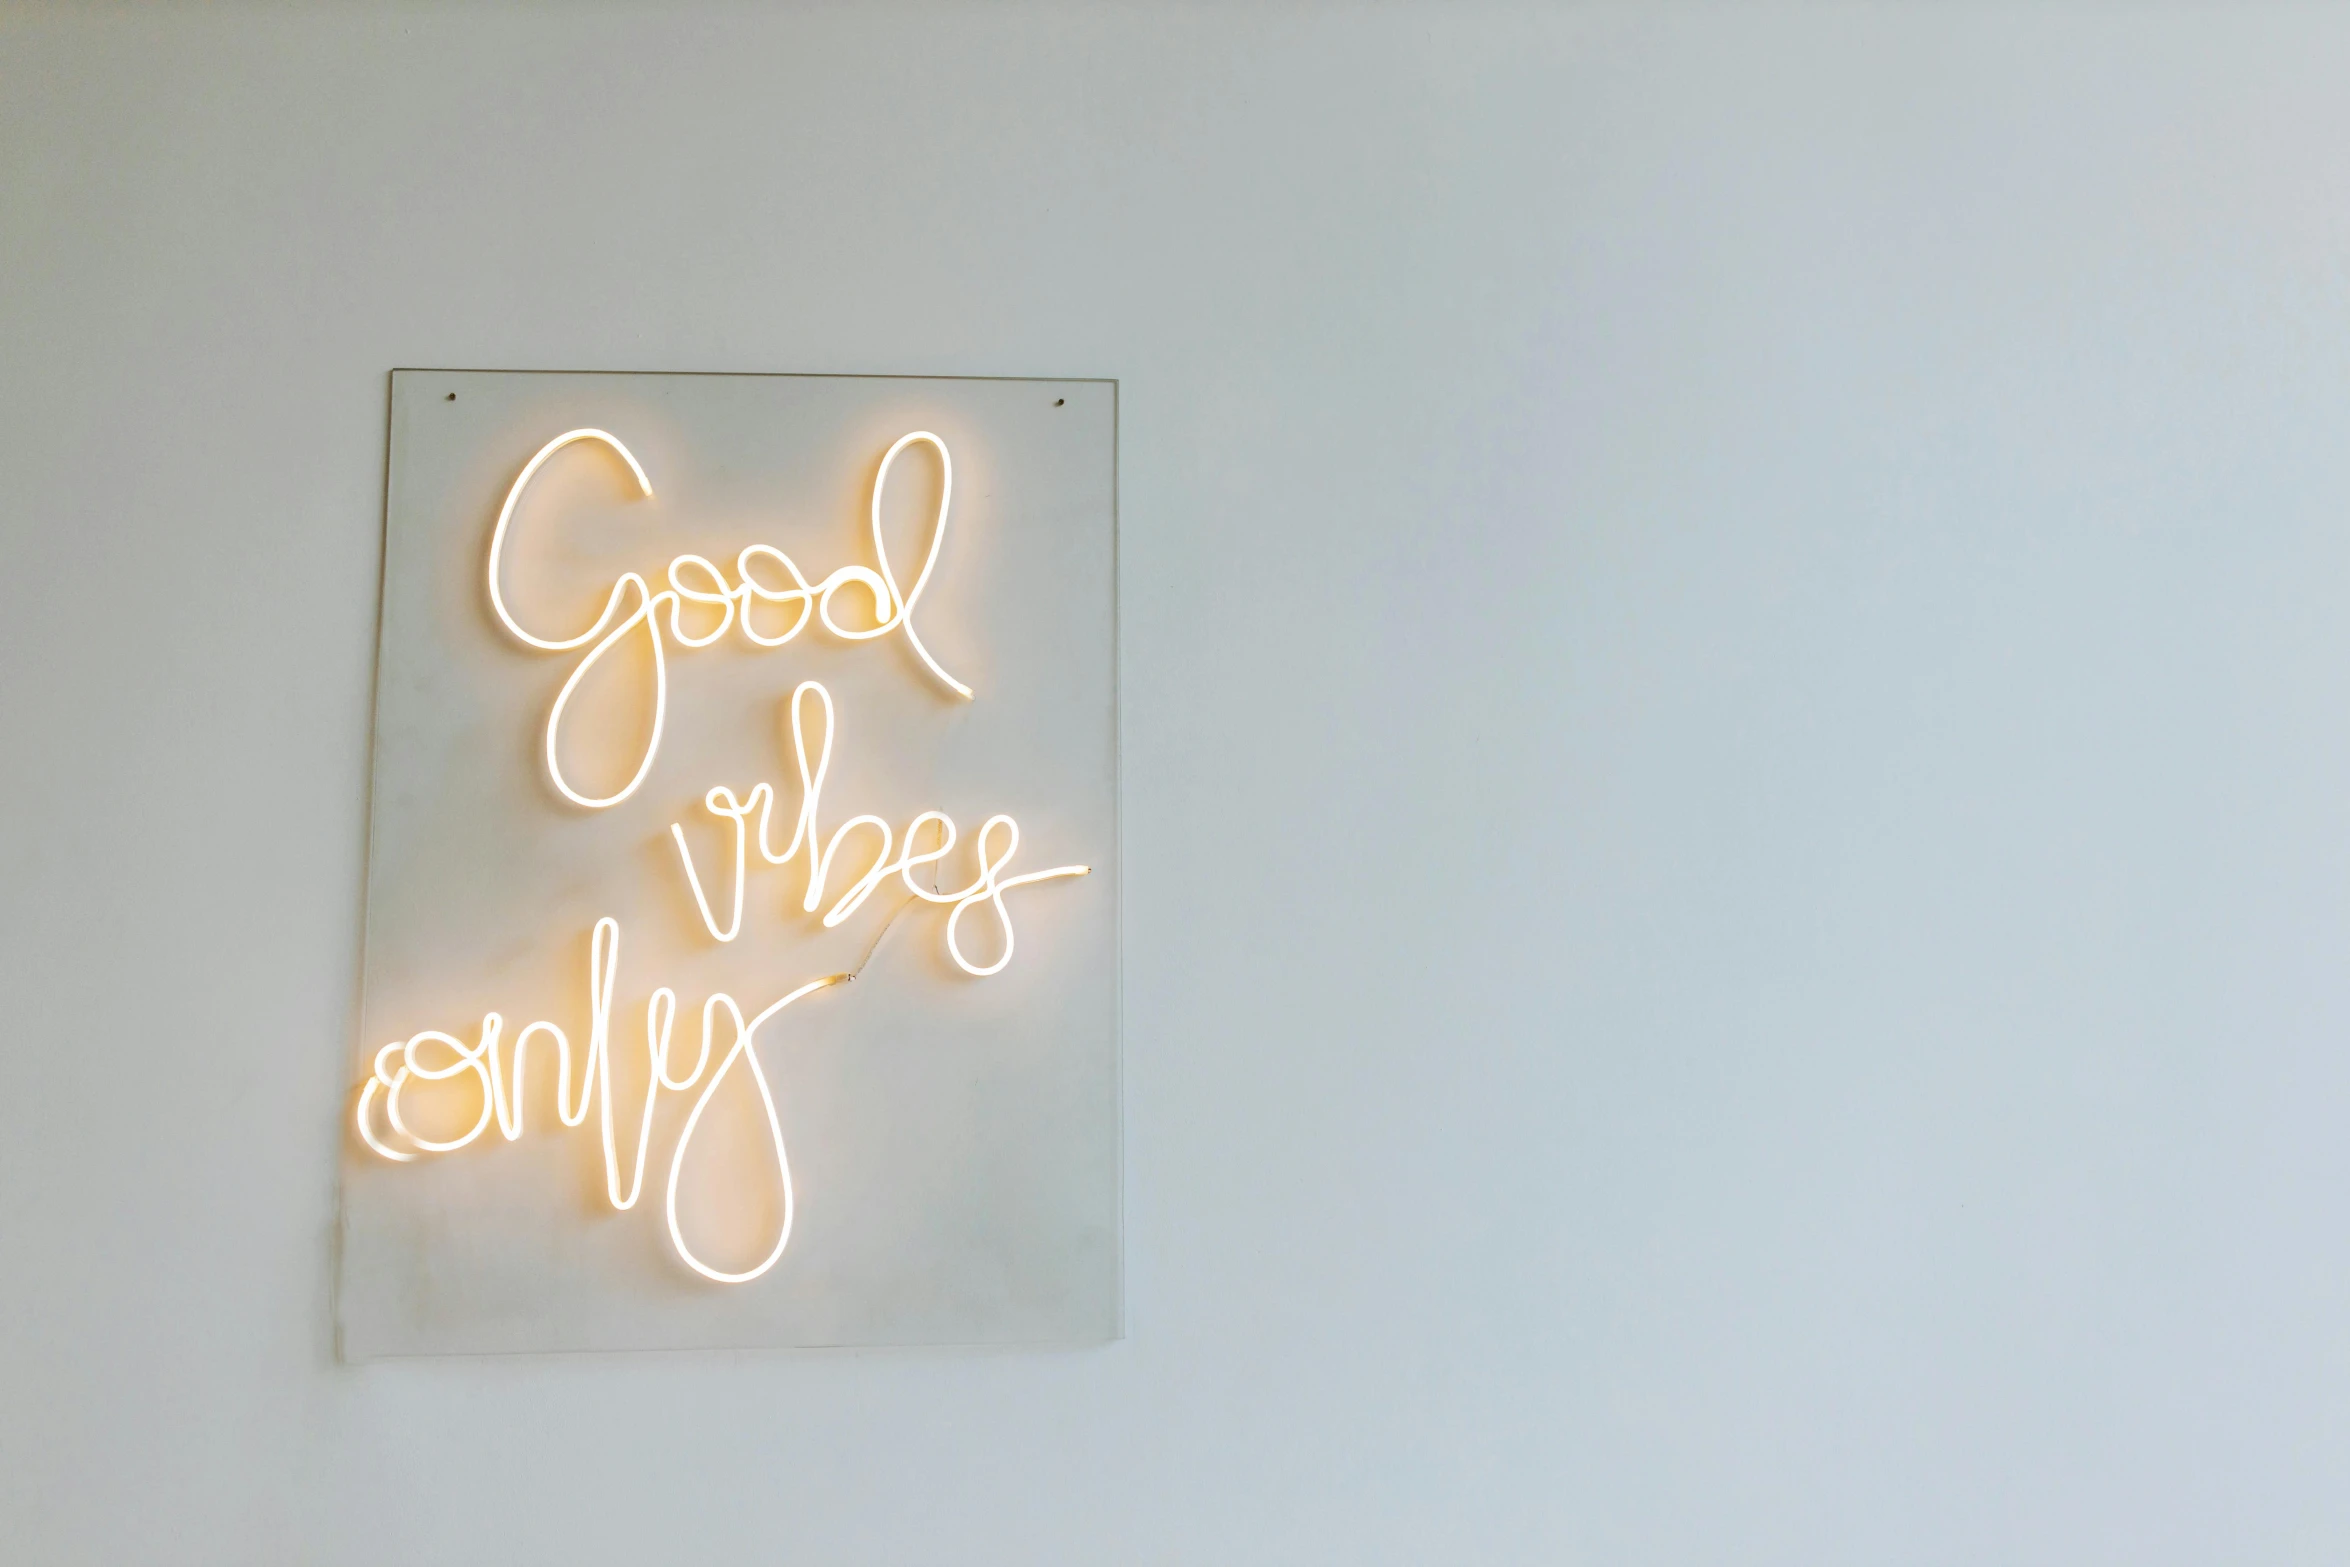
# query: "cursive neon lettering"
[770,601]
[988,887]
[404,1062]
[692,579]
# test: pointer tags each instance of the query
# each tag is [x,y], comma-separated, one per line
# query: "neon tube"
[502,1106]
[892,606]
[740,1050]
[988,887]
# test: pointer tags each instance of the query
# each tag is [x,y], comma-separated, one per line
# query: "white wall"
[1736,684]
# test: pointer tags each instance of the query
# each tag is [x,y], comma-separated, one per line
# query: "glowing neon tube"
[988,887]
[403,1062]
[693,579]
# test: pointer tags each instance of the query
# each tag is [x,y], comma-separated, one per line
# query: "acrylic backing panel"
[763,551]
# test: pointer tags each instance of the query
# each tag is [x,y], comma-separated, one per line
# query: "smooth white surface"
[1735,750]
[951,1167]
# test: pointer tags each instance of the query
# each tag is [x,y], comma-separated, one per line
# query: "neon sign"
[434,1056]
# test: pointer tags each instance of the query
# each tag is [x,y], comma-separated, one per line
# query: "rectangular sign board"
[741,958]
